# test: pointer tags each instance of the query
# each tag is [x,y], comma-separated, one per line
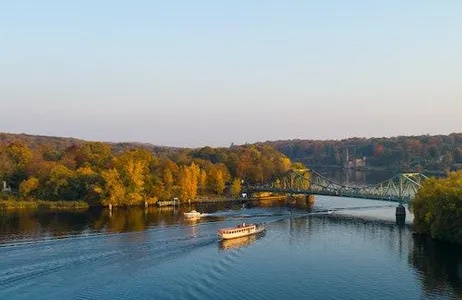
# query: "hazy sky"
[191,73]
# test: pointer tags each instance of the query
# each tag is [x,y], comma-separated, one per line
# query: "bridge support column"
[400,214]
[310,199]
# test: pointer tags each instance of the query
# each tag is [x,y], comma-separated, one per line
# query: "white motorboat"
[192,214]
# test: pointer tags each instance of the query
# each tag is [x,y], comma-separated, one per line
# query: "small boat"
[240,230]
[192,214]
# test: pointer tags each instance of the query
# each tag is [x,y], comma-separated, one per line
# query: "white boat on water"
[240,230]
[192,214]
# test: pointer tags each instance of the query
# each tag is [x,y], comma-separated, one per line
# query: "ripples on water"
[354,253]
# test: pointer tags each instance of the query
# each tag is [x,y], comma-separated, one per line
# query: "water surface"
[357,252]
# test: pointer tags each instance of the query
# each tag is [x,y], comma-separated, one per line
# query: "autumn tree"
[189,181]
[437,208]
[236,188]
[168,182]
[94,154]
[216,181]
[202,181]
[18,156]
[27,187]
[132,168]
[19,153]
[113,190]
[379,150]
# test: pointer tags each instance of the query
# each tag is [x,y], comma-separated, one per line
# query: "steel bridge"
[400,188]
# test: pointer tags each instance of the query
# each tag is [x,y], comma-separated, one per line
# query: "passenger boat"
[192,214]
[240,230]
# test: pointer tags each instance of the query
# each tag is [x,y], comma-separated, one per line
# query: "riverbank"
[14,203]
[41,204]
[255,197]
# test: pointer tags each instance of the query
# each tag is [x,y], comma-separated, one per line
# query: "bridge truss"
[400,188]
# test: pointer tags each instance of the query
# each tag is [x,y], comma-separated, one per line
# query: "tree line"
[403,153]
[101,174]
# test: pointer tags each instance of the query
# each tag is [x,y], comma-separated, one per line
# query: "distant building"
[357,163]
[5,187]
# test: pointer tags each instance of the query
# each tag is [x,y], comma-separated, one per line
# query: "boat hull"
[227,234]
[192,215]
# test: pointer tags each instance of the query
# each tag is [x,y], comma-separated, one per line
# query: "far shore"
[41,204]
[11,204]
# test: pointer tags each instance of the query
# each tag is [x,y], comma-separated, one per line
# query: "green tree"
[85,181]
[437,208]
[59,181]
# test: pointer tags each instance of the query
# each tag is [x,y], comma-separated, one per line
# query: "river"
[357,252]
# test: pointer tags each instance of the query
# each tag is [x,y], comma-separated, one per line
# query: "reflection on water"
[36,224]
[439,266]
[357,177]
[30,224]
[239,242]
[338,256]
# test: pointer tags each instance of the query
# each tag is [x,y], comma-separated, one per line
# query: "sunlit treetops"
[99,174]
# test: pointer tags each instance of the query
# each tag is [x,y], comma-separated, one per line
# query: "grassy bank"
[41,204]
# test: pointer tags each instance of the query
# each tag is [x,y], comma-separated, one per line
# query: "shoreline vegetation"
[437,208]
[16,203]
[42,204]
[430,154]
[100,175]
[54,173]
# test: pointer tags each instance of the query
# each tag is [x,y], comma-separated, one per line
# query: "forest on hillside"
[45,143]
[403,153]
[53,168]
[101,174]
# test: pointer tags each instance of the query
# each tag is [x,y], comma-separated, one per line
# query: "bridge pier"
[400,214]
[310,199]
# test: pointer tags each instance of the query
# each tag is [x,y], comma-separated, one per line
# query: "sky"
[195,73]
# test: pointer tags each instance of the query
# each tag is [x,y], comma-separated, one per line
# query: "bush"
[437,208]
